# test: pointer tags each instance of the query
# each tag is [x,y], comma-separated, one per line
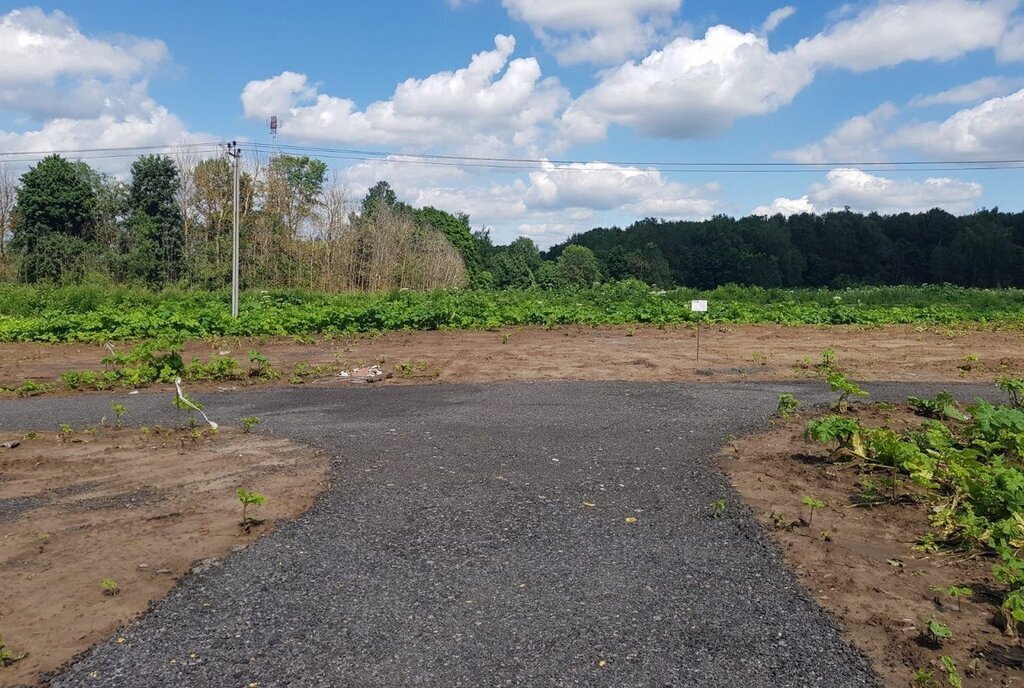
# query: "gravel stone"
[451,549]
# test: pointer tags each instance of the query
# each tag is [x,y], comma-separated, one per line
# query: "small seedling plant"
[938,631]
[718,508]
[260,367]
[952,676]
[845,433]
[7,658]
[1014,388]
[248,499]
[811,503]
[788,404]
[249,423]
[954,591]
[829,359]
[109,587]
[941,407]
[119,413]
[924,679]
[845,388]
[66,431]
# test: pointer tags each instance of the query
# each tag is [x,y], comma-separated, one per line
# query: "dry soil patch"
[728,353]
[139,509]
[860,563]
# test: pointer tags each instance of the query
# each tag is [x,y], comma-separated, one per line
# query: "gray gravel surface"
[454,547]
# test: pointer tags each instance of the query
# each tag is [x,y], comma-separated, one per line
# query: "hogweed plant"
[952,676]
[7,658]
[119,413]
[954,591]
[845,433]
[248,499]
[845,388]
[1014,388]
[923,678]
[812,504]
[788,404]
[938,631]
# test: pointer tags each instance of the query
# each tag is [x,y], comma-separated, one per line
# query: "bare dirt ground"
[728,353]
[137,508]
[861,565]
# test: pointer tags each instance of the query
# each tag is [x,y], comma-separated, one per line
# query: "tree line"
[171,223]
[835,249]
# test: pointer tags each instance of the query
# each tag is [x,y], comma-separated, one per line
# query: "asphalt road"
[456,547]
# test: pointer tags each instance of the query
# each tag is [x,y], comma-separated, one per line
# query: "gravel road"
[485,536]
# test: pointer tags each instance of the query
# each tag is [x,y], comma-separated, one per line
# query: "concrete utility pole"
[235,152]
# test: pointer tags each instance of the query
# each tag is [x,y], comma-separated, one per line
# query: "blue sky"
[598,82]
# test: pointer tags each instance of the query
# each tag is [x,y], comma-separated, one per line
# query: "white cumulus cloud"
[990,129]
[979,89]
[893,32]
[865,192]
[777,17]
[36,46]
[548,203]
[70,90]
[494,104]
[602,31]
[49,68]
[697,87]
[692,88]
[857,139]
[786,206]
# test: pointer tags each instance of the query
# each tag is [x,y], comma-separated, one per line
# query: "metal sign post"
[698,306]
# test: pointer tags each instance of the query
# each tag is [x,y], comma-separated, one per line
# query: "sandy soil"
[139,509]
[865,571]
[762,352]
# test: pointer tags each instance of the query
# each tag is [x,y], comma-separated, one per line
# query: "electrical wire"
[521,164]
[636,163]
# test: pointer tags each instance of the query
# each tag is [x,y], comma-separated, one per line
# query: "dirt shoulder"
[728,353]
[139,509]
[859,561]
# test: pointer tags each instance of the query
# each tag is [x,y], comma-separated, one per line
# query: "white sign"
[699,306]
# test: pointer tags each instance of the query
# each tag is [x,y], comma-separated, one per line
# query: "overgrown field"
[91,313]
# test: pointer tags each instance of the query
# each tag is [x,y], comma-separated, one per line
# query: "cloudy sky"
[610,96]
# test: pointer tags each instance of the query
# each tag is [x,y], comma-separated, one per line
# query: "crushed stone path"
[529,534]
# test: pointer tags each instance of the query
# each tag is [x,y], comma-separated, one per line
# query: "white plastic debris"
[185,400]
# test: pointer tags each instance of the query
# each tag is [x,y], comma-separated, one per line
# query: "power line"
[126,149]
[510,163]
[402,159]
[639,163]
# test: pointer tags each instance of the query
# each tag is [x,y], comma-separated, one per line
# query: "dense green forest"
[837,249]
[170,224]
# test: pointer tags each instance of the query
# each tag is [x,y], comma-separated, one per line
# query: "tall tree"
[381,195]
[156,231]
[456,228]
[8,196]
[55,206]
[527,250]
[294,185]
[577,267]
